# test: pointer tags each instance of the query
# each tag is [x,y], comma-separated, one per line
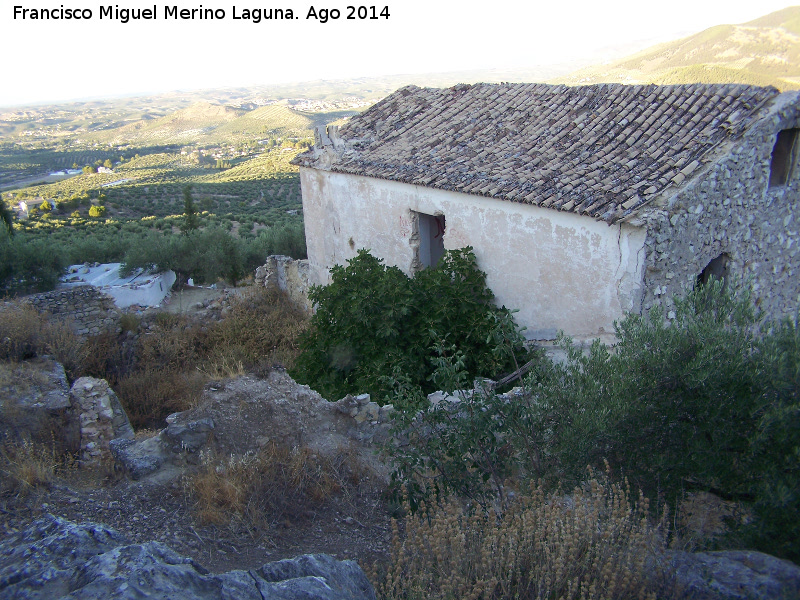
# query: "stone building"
[581,203]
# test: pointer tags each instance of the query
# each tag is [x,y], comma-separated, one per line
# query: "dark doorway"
[431,239]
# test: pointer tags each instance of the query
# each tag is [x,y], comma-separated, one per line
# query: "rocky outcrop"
[55,559]
[244,414]
[101,418]
[35,404]
[734,575]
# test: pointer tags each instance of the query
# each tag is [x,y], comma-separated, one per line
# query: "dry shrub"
[20,331]
[595,543]
[177,343]
[275,484]
[704,521]
[150,396]
[25,333]
[26,467]
[260,330]
[66,347]
[109,356]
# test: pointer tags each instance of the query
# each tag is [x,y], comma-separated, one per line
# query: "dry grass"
[247,493]
[25,333]
[593,544]
[165,369]
[705,521]
[260,331]
[150,396]
[26,467]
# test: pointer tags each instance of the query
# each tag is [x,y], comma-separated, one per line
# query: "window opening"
[717,268]
[784,157]
[431,239]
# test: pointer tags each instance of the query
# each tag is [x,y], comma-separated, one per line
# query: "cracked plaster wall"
[729,209]
[561,270]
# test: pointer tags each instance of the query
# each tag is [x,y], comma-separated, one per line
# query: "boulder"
[734,575]
[35,404]
[139,458]
[55,559]
[177,445]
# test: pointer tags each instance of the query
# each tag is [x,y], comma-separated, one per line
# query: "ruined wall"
[561,270]
[730,210]
[287,275]
[85,308]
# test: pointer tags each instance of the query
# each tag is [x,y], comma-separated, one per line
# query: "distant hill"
[765,51]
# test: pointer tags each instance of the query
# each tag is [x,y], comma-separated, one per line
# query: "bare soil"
[347,526]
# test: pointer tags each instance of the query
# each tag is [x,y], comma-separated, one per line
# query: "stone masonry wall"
[729,209]
[287,275]
[85,308]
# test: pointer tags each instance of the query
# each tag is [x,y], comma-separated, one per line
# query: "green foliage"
[462,444]
[373,323]
[97,211]
[6,218]
[190,221]
[29,265]
[706,401]
[776,448]
[671,407]
[205,255]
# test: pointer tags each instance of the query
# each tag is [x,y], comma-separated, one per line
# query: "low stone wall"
[287,275]
[84,308]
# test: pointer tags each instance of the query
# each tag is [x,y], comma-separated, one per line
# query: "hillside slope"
[765,51]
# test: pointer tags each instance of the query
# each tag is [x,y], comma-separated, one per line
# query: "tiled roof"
[601,150]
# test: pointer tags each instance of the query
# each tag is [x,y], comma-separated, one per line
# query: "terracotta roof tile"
[603,150]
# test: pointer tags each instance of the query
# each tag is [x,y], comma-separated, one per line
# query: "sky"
[57,60]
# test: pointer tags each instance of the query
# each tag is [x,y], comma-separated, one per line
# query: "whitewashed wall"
[561,270]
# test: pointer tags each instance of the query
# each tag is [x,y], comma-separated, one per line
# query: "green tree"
[190,220]
[97,211]
[108,164]
[46,206]
[6,218]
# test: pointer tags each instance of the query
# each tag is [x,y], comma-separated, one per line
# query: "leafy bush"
[704,402]
[467,443]
[672,405]
[97,211]
[374,325]
[776,449]
[595,543]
